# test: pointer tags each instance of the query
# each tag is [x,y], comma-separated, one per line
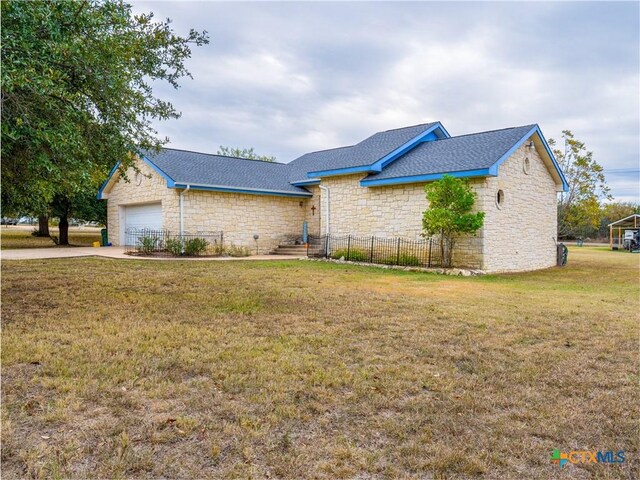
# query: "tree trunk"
[63,227]
[43,225]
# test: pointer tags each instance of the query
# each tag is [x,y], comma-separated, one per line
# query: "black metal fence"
[163,243]
[387,251]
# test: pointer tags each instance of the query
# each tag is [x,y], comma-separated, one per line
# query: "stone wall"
[387,211]
[521,234]
[241,216]
[518,235]
[144,187]
[314,216]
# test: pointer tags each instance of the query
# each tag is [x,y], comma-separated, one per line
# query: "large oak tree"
[77,95]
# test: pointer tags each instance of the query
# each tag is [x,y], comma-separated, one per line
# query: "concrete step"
[294,250]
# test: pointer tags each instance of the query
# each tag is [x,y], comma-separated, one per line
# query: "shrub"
[355,255]
[195,246]
[174,246]
[147,244]
[234,251]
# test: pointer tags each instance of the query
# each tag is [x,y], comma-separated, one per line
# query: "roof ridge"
[408,126]
[486,131]
[225,156]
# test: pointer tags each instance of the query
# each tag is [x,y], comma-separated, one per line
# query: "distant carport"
[623,232]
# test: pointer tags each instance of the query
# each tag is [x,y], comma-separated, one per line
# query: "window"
[526,166]
[500,199]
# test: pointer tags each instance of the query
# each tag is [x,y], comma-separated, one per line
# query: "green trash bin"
[105,237]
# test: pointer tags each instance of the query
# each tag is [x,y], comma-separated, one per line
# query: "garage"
[139,217]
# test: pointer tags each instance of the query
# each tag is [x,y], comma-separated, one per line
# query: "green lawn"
[12,237]
[304,369]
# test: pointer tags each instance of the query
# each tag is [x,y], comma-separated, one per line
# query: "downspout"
[327,212]
[182,215]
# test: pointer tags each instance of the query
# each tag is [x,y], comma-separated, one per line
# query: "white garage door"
[143,217]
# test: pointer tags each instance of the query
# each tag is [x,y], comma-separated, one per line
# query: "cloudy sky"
[289,78]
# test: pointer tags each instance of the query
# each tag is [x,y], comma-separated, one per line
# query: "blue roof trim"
[216,188]
[302,183]
[483,172]
[342,171]
[111,173]
[535,130]
[170,182]
[426,136]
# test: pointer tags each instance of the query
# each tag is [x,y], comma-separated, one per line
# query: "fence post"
[348,246]
[371,252]
[429,261]
[398,253]
[326,246]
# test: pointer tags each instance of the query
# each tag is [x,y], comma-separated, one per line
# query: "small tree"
[449,214]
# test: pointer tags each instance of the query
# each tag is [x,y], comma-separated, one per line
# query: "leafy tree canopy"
[244,153]
[77,94]
[450,215]
[578,209]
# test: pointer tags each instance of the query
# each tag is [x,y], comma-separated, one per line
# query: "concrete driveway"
[113,252]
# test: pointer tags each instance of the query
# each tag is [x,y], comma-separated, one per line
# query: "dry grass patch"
[21,238]
[304,369]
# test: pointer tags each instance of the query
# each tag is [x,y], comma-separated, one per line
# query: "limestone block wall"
[314,216]
[241,216]
[144,187]
[388,211]
[519,235]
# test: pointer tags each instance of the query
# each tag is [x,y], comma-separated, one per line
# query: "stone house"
[375,187]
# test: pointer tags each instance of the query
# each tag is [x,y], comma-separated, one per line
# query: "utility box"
[562,254]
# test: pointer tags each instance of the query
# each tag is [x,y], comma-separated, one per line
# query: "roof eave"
[430,177]
[244,190]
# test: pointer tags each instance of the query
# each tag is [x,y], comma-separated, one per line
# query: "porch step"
[293,250]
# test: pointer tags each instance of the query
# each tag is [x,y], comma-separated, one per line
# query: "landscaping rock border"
[457,272]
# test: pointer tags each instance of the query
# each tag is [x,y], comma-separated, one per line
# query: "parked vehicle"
[27,221]
[9,221]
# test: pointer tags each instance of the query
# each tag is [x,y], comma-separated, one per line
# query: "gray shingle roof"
[368,151]
[465,152]
[186,167]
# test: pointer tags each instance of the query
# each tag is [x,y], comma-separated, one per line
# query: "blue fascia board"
[341,171]
[518,144]
[111,174]
[170,181]
[426,136]
[482,172]
[302,183]
[221,188]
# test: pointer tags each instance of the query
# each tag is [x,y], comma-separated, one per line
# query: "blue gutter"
[483,172]
[222,188]
[426,136]
[302,183]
